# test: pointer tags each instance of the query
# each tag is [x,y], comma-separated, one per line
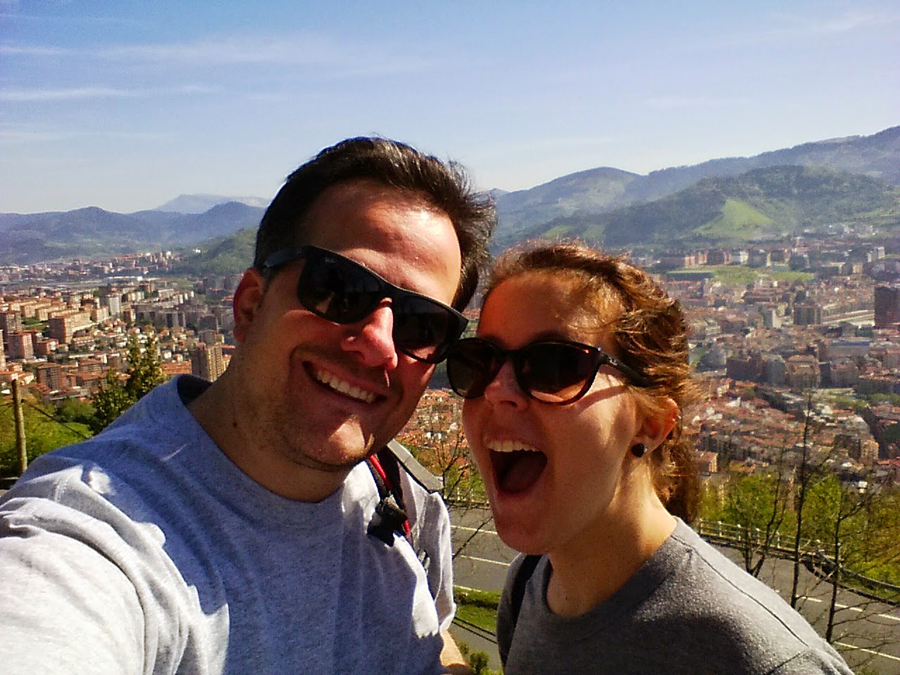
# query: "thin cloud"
[19,136]
[13,135]
[789,28]
[7,11]
[75,93]
[783,28]
[98,92]
[849,22]
[303,51]
[33,50]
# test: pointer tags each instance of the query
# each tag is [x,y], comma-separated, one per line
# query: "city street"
[869,631]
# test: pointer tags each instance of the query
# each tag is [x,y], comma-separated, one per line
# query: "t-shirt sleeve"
[62,603]
[813,662]
[431,533]
[440,581]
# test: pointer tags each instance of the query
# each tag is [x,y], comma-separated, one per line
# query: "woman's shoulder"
[731,609]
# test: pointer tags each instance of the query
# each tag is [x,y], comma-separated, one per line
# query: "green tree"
[441,447]
[836,515]
[879,545]
[759,504]
[478,661]
[74,410]
[117,394]
[810,470]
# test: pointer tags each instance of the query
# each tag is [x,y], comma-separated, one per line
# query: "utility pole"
[20,426]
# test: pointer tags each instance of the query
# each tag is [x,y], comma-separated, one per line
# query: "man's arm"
[451,658]
[63,604]
[430,523]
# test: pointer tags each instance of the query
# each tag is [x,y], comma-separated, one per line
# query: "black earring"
[638,450]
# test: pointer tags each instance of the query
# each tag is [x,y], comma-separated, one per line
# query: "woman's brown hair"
[649,332]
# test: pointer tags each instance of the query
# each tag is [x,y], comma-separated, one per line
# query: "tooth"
[510,446]
[344,387]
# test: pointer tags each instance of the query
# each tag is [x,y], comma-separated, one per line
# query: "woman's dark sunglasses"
[343,291]
[552,371]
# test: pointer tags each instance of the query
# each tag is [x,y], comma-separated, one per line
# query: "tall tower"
[207,361]
[887,306]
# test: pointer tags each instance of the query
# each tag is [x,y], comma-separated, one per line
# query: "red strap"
[373,461]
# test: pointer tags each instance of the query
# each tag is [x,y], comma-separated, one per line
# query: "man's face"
[318,397]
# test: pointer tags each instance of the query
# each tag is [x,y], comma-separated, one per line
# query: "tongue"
[521,469]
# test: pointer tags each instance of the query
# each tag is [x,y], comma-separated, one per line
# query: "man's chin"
[336,457]
[329,463]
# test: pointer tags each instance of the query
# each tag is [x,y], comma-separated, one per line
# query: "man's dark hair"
[441,185]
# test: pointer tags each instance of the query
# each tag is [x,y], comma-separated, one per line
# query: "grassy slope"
[738,221]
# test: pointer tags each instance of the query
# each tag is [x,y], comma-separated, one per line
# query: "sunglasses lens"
[471,366]
[555,373]
[336,289]
[423,329]
[344,292]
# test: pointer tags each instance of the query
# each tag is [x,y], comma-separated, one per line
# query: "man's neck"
[220,414]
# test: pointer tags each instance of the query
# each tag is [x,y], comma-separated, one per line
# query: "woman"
[574,389]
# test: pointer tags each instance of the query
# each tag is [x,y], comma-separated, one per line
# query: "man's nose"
[372,337]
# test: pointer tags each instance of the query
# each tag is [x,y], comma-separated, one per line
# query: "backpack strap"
[390,513]
[526,570]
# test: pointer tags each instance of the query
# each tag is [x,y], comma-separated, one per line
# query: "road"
[869,631]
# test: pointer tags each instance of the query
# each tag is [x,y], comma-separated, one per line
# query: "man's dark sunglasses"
[343,291]
[551,371]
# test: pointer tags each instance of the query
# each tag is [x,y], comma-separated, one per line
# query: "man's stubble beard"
[294,443]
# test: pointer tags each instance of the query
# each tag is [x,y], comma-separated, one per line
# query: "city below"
[768,327]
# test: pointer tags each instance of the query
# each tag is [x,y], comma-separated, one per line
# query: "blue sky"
[125,105]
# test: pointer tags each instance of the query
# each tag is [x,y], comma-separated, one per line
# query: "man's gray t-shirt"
[688,610]
[146,550]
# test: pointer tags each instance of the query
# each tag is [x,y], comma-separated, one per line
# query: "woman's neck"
[588,571]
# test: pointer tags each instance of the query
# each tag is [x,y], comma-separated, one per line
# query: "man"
[223,528]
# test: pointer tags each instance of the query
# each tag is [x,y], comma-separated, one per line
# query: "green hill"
[222,255]
[761,204]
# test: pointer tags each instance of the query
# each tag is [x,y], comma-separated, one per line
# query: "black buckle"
[389,518]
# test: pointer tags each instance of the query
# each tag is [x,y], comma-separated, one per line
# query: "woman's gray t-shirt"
[688,610]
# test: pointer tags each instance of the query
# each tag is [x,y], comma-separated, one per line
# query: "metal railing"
[716,530]
[812,555]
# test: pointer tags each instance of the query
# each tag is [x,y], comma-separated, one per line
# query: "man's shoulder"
[109,466]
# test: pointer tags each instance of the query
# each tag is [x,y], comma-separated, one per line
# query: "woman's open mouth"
[517,465]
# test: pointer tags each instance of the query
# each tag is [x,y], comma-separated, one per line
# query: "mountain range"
[93,232]
[579,196]
[828,186]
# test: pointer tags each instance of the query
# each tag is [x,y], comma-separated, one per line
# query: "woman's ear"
[658,423]
[247,299]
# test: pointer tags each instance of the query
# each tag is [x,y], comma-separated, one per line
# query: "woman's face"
[553,473]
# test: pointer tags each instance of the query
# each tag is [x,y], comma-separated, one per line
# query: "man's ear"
[656,426]
[247,298]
